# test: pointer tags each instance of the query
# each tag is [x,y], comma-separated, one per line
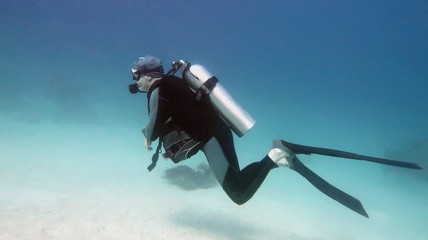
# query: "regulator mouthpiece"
[133,88]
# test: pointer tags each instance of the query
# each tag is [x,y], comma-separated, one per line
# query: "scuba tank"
[201,81]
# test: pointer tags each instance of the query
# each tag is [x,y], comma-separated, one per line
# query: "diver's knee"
[237,198]
[239,201]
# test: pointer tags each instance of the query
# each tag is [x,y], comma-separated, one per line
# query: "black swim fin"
[328,189]
[301,149]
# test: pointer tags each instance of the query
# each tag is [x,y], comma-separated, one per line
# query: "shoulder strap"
[149,93]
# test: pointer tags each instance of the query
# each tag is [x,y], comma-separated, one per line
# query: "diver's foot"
[281,155]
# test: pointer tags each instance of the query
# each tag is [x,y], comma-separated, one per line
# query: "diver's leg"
[240,185]
[244,184]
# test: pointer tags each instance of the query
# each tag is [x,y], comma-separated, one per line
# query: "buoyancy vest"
[178,103]
[183,123]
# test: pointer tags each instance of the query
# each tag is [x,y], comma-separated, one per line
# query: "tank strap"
[206,87]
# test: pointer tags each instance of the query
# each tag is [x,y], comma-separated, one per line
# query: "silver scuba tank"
[200,79]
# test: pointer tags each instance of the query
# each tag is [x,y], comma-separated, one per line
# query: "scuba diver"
[195,113]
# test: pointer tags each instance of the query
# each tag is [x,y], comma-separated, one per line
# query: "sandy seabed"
[92,184]
[114,212]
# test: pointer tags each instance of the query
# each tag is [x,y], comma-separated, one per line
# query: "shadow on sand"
[189,179]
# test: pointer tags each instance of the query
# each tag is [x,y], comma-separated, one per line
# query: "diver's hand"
[147,144]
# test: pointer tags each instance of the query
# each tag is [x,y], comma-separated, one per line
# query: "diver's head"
[149,66]
[146,71]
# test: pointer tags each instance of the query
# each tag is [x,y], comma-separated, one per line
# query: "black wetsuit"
[172,105]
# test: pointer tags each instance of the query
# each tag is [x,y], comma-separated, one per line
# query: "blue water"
[351,75]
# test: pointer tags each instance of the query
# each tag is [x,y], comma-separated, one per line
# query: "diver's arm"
[153,114]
